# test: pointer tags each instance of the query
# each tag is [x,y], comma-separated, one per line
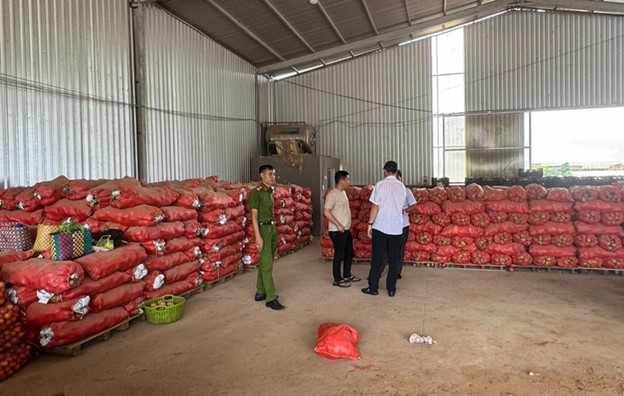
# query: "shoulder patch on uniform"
[259,188]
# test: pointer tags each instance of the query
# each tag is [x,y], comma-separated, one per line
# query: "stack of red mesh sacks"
[14,348]
[60,305]
[600,214]
[153,217]
[222,212]
[363,245]
[303,214]
[327,246]
[551,228]
[284,213]
[420,246]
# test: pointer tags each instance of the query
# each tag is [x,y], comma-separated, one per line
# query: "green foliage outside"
[554,170]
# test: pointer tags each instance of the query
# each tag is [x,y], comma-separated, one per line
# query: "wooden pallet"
[600,271]
[75,349]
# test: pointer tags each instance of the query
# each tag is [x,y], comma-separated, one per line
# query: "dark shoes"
[275,305]
[367,290]
[260,297]
[392,293]
[399,276]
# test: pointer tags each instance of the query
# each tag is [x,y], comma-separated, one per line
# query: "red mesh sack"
[480,220]
[503,237]
[38,314]
[494,194]
[456,194]
[15,357]
[436,258]
[550,250]
[497,217]
[584,193]
[193,228]
[542,240]
[561,217]
[507,226]
[164,231]
[612,218]
[610,193]
[508,206]
[552,228]
[474,192]
[559,194]
[53,276]
[236,212]
[97,226]
[101,264]
[461,258]
[447,251]
[187,199]
[49,192]
[502,260]
[461,242]
[419,219]
[420,256]
[79,189]
[538,218]
[567,262]
[337,341]
[181,271]
[182,244]
[469,231]
[441,219]
[483,242]
[353,192]
[522,259]
[219,231]
[466,207]
[460,219]
[586,240]
[610,243]
[90,287]
[421,195]
[508,249]
[128,196]
[550,206]
[175,288]
[418,247]
[117,297]
[154,263]
[22,296]
[178,213]
[600,206]
[142,215]
[545,261]
[101,195]
[438,195]
[440,240]
[10,257]
[429,227]
[562,240]
[523,238]
[480,258]
[78,211]
[8,198]
[519,218]
[216,200]
[26,200]
[591,262]
[366,192]
[598,229]
[20,216]
[589,216]
[424,238]
[427,208]
[13,335]
[613,262]
[536,191]
[64,333]
[517,194]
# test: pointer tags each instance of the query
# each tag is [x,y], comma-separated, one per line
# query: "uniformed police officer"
[261,205]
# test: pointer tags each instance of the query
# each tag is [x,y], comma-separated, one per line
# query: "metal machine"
[291,150]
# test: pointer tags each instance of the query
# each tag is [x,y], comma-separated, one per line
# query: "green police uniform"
[261,198]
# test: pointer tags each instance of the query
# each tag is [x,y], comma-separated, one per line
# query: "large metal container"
[313,171]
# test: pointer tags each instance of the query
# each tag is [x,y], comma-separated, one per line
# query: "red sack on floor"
[517,194]
[480,220]
[460,219]
[193,228]
[508,249]
[10,257]
[175,288]
[419,219]
[337,341]
[523,238]
[79,189]
[456,194]
[142,215]
[480,258]
[600,206]
[154,281]
[38,314]
[164,231]
[542,240]
[502,237]
[563,240]
[129,196]
[153,263]
[20,216]
[420,256]
[598,229]
[591,262]
[8,198]
[584,193]
[181,271]
[610,243]
[610,193]
[612,219]
[64,333]
[78,211]
[466,207]
[421,195]
[497,217]
[117,297]
[90,287]
[101,264]
[590,216]
[501,259]
[559,194]
[441,219]
[507,226]
[182,244]
[545,261]
[552,228]
[550,250]
[53,276]
[586,240]
[508,206]
[550,206]
[522,259]
[22,295]
[536,191]
[177,213]
[567,262]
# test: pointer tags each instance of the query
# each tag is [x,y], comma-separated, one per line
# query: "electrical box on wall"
[313,171]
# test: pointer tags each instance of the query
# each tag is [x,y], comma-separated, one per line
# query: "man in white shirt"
[385,227]
[338,214]
[408,206]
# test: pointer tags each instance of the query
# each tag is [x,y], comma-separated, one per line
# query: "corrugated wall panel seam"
[190,73]
[77,46]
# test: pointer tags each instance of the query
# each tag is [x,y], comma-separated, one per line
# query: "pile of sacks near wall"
[173,236]
[505,226]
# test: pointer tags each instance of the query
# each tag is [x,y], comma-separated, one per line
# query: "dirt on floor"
[498,333]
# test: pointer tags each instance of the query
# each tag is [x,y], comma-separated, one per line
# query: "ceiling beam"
[576,5]
[370,16]
[427,27]
[288,25]
[331,23]
[407,11]
[244,28]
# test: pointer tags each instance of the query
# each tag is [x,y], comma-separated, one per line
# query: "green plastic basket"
[164,314]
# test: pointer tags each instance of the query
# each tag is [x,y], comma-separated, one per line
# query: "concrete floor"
[493,328]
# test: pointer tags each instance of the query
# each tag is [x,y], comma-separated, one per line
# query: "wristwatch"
[370,223]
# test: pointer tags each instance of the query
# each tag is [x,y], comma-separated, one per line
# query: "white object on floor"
[416,339]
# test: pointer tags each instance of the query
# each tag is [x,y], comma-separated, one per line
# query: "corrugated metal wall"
[203,104]
[65,90]
[537,60]
[344,103]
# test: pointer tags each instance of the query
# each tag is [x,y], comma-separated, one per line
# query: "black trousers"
[343,252]
[401,258]
[384,245]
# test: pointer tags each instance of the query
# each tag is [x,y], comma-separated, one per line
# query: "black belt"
[266,223]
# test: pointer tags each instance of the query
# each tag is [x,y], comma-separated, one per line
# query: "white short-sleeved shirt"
[338,204]
[409,201]
[389,194]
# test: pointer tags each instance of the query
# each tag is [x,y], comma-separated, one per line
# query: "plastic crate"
[164,314]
